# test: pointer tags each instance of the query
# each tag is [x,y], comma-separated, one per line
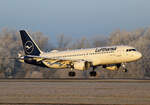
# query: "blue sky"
[74,17]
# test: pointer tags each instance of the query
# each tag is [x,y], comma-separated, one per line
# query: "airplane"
[111,57]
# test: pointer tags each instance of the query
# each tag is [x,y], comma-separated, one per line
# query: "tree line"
[11,45]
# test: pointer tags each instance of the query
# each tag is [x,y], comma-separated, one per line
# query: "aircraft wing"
[51,59]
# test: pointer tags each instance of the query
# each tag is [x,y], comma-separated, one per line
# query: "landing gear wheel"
[124,67]
[72,74]
[93,73]
[125,70]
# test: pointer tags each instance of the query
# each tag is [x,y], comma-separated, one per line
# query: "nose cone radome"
[138,55]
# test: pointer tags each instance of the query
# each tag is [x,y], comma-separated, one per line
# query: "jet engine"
[82,65]
[112,67]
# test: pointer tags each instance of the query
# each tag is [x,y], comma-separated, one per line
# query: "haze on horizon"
[74,17]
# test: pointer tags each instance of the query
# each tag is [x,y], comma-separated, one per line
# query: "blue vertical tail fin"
[29,46]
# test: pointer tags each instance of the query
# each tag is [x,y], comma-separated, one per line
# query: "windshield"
[128,50]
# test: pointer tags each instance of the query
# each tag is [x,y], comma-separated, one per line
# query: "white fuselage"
[99,55]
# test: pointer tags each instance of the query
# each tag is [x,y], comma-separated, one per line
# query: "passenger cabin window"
[129,50]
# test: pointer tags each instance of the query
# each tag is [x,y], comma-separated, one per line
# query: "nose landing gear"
[124,68]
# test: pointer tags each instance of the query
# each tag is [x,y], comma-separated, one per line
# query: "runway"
[75,80]
[74,91]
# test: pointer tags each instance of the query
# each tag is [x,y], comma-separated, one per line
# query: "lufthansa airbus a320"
[111,58]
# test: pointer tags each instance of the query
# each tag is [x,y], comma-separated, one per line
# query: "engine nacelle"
[82,65]
[112,67]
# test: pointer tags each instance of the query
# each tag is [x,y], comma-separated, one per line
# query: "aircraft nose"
[139,55]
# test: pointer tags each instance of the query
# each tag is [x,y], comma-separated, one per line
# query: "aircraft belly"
[105,59]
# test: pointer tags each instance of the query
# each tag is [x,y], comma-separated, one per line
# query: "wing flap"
[52,60]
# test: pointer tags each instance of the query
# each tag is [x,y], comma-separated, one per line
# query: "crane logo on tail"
[29,47]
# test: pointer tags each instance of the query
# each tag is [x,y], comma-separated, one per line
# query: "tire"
[125,70]
[71,74]
[93,73]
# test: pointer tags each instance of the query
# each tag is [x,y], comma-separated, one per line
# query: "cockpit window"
[130,50]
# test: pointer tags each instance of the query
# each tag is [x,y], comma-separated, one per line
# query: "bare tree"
[63,42]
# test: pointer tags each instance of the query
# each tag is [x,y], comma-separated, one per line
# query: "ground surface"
[75,91]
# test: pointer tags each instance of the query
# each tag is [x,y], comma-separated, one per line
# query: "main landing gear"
[93,73]
[72,73]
